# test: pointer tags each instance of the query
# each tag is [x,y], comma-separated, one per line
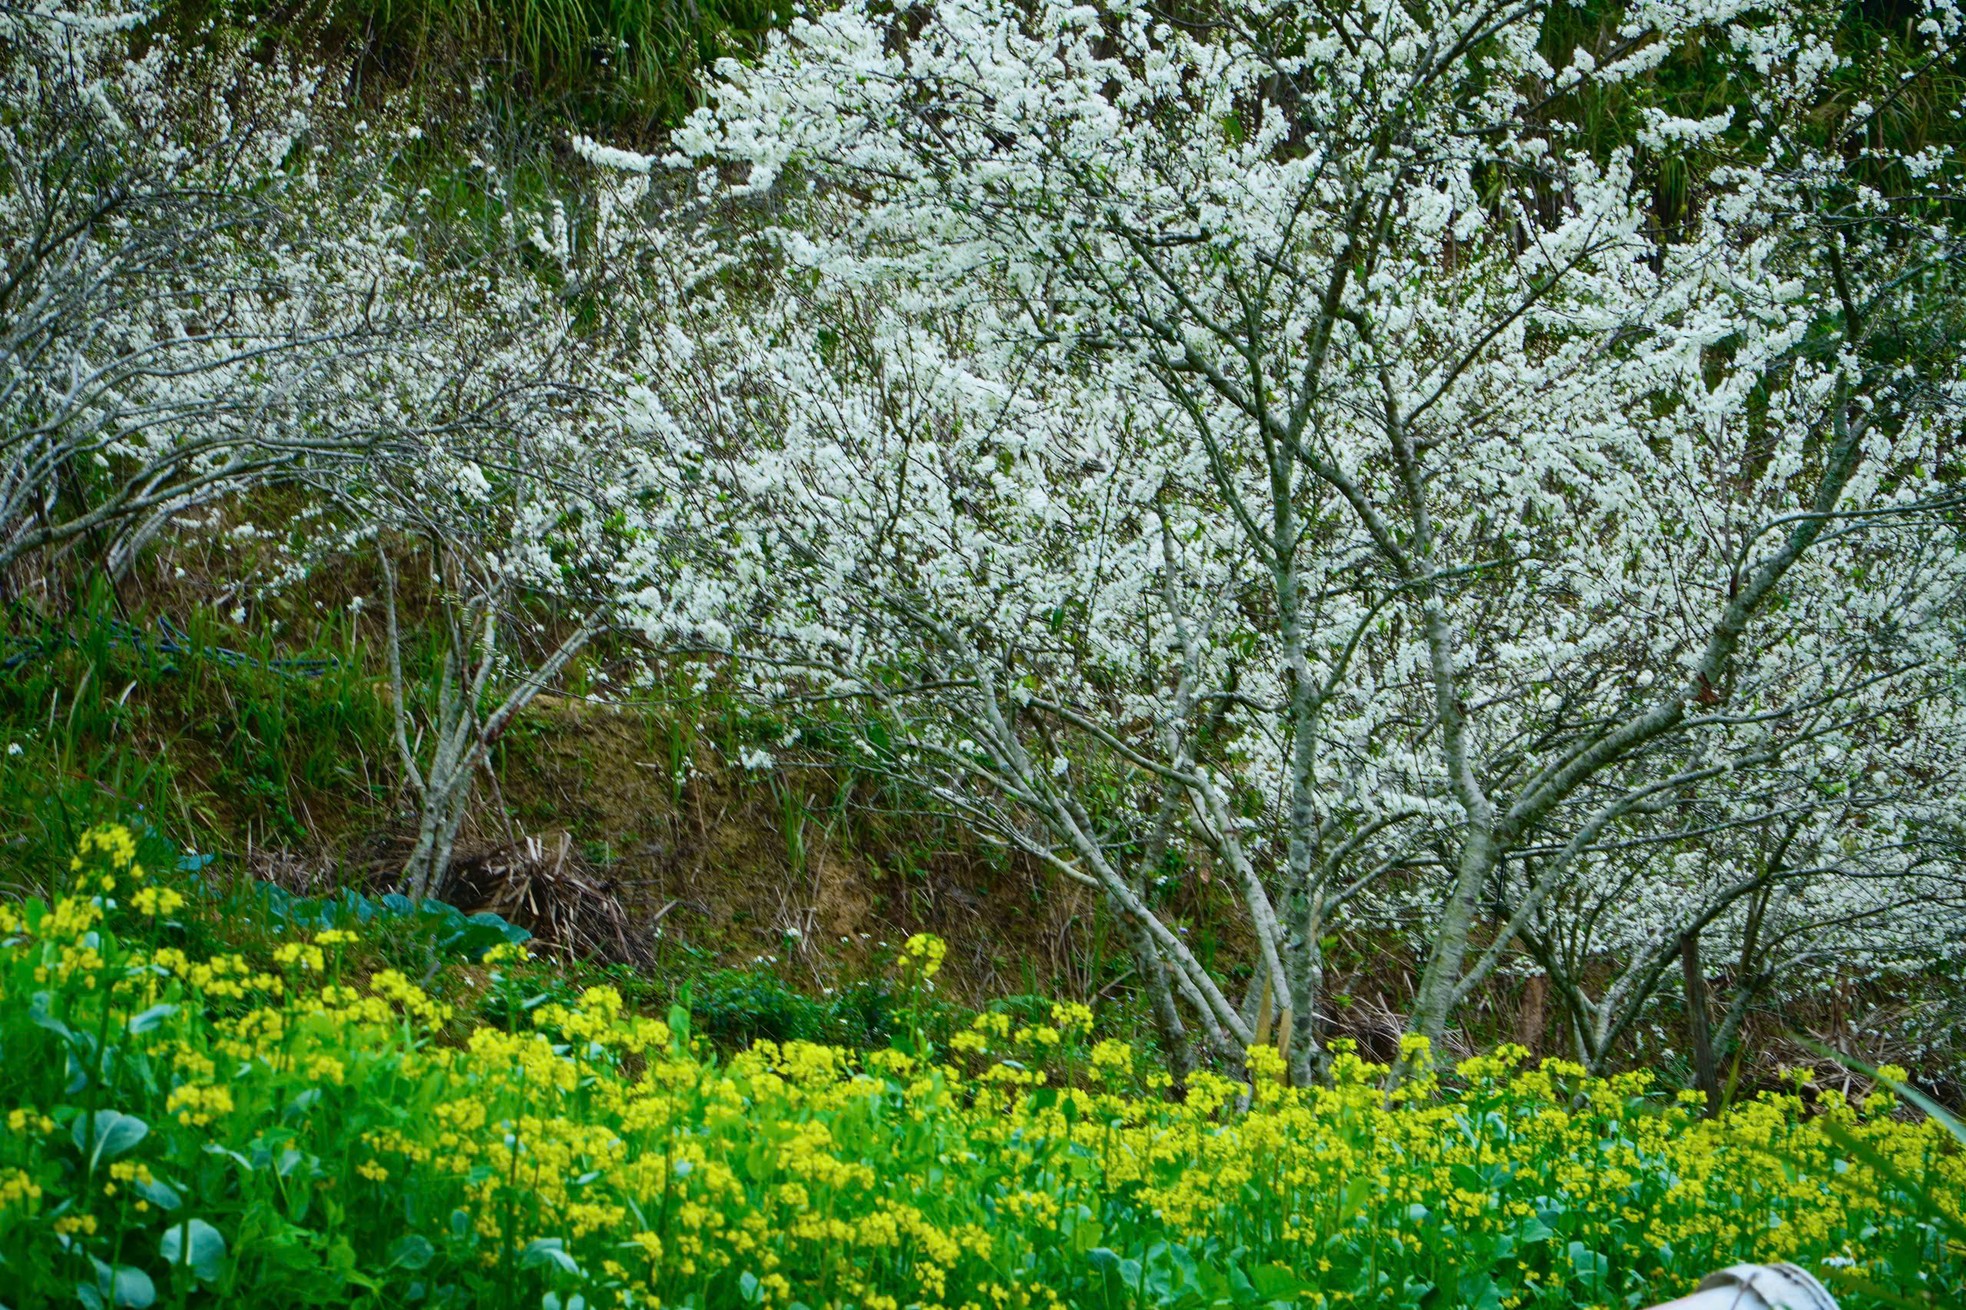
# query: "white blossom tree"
[511,485]
[1847,867]
[189,303]
[1289,415]
[214,283]
[533,534]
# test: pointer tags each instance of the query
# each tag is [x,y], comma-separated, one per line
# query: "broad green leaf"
[123,1287]
[1275,1281]
[40,1012]
[411,1252]
[131,1287]
[1478,1292]
[149,1019]
[197,1245]
[114,1133]
[158,1193]
[545,1251]
[1590,1266]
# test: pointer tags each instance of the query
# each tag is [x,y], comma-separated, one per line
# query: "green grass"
[631,65]
[219,735]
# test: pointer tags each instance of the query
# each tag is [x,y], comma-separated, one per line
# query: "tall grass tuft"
[629,62]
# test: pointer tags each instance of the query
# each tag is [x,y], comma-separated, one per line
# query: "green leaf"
[1082,1232]
[197,1245]
[1478,1292]
[114,1134]
[131,1287]
[156,1014]
[123,1287]
[1590,1266]
[158,1193]
[288,1250]
[342,1262]
[412,1252]
[1275,1282]
[545,1251]
[40,1012]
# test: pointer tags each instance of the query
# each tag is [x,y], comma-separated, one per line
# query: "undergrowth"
[767,896]
[262,748]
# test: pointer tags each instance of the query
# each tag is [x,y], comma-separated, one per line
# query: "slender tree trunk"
[1433,1001]
[1304,1046]
[1706,1071]
[1302,983]
[1177,1048]
[461,738]
[1534,1015]
[437,828]
[444,786]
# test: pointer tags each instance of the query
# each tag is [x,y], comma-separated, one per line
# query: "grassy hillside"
[270,757]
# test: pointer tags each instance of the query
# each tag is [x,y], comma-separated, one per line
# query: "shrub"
[740,1006]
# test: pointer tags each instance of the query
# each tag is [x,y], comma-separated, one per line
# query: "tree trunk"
[430,859]
[1531,1020]
[1433,1001]
[1176,1046]
[1706,1071]
[1303,1046]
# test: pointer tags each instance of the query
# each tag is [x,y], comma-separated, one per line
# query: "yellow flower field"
[279,1131]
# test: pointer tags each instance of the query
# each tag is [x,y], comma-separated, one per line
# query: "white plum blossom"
[1288,425]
